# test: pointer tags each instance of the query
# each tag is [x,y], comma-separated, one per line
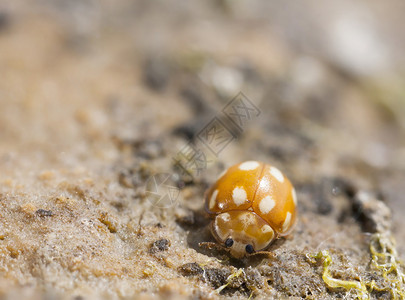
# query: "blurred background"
[79,77]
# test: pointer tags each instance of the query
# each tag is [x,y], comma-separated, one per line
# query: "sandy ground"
[99,97]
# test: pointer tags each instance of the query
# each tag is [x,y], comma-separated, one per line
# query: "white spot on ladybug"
[249,165]
[247,219]
[266,228]
[294,196]
[239,195]
[277,174]
[217,229]
[267,204]
[264,183]
[213,199]
[287,222]
[225,216]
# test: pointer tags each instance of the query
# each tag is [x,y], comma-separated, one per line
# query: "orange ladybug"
[252,204]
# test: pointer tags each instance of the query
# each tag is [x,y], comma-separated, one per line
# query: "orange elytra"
[252,204]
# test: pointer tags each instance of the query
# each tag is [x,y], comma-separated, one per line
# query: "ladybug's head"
[242,232]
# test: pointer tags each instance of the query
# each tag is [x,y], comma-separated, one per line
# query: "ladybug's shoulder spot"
[235,188]
[239,195]
[212,199]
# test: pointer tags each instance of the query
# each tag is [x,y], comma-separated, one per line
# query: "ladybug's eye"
[249,249]
[228,242]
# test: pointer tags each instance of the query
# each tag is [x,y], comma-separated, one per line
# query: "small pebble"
[44,213]
[159,245]
[217,277]
[191,269]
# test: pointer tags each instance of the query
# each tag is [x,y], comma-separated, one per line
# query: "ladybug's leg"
[211,245]
[265,254]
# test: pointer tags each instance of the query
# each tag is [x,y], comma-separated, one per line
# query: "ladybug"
[252,204]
